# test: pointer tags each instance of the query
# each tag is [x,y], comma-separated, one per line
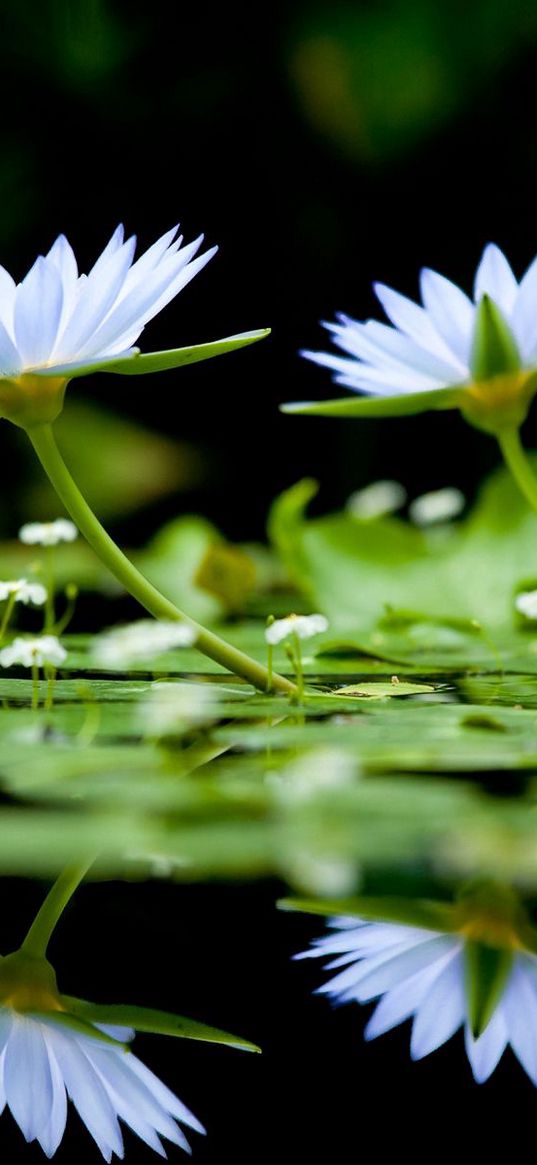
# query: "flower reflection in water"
[477,970]
[54,1047]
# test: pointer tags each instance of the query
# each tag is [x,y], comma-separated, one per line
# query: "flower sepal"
[494,348]
[420,912]
[28,983]
[138,363]
[401,405]
[148,1019]
[487,969]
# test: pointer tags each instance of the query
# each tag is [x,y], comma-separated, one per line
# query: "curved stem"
[231,658]
[517,462]
[49,914]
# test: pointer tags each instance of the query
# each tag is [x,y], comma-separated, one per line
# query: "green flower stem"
[7,616]
[47,917]
[517,462]
[50,612]
[35,687]
[243,665]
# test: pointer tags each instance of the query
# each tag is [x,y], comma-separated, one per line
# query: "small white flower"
[44,649]
[420,974]
[44,1062]
[304,626]
[24,592]
[144,639]
[57,320]
[321,874]
[377,499]
[437,506]
[48,533]
[429,346]
[171,707]
[526,603]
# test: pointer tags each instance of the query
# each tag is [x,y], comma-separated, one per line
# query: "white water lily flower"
[477,353]
[437,506]
[48,533]
[430,346]
[58,324]
[43,649]
[377,499]
[57,319]
[23,592]
[44,1062]
[304,626]
[526,603]
[420,974]
[144,639]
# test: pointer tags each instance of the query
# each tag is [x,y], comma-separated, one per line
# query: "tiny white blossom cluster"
[526,603]
[303,626]
[38,652]
[377,499]
[23,591]
[144,639]
[172,707]
[48,533]
[439,505]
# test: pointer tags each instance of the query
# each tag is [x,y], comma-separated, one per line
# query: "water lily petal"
[442,1010]
[519,1008]
[27,1077]
[87,1092]
[494,277]
[37,314]
[451,312]
[485,1052]
[52,1132]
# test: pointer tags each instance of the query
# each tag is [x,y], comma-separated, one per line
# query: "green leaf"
[143,362]
[407,404]
[494,348]
[117,488]
[172,562]
[147,1019]
[403,593]
[486,972]
[379,691]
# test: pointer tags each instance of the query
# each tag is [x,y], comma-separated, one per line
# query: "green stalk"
[10,604]
[517,462]
[49,914]
[231,658]
[50,612]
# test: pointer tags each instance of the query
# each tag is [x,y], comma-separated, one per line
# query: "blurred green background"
[322,145]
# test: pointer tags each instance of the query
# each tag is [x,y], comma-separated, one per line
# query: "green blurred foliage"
[375,78]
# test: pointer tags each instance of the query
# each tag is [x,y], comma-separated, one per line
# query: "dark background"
[322,145]
[319,1092]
